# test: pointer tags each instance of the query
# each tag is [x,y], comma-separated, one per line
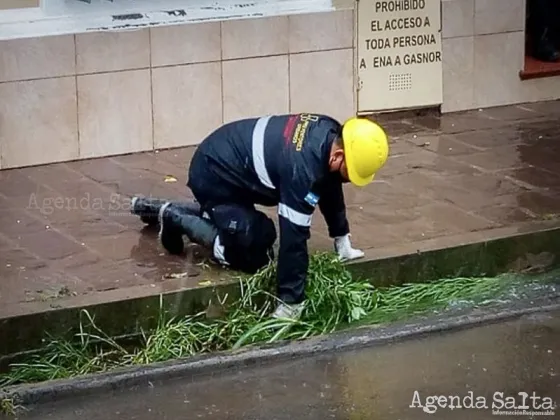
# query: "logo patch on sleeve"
[311,199]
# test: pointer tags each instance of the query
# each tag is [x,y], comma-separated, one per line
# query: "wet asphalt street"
[373,383]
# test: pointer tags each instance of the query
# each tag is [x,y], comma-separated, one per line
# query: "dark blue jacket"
[283,160]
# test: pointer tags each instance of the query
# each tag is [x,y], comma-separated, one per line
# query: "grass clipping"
[335,300]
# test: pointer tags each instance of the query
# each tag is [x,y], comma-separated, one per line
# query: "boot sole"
[150,220]
[163,238]
[133,204]
[145,219]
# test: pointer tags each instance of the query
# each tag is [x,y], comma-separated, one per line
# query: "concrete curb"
[219,362]
[124,312]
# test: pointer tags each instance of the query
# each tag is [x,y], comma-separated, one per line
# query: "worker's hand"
[344,248]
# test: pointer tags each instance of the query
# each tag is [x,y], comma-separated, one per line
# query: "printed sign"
[399,60]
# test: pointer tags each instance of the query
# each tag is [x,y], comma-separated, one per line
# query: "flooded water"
[481,365]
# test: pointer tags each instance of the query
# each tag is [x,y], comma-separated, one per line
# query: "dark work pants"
[246,233]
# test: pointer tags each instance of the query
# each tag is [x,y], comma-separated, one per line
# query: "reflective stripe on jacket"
[282,160]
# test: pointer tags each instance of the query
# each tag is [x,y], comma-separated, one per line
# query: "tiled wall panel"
[255,87]
[185,44]
[37,58]
[112,51]
[100,94]
[114,111]
[322,82]
[321,31]
[38,122]
[255,37]
[187,103]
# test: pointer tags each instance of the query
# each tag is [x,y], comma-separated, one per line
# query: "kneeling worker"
[295,162]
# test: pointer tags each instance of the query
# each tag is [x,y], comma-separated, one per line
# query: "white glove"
[344,248]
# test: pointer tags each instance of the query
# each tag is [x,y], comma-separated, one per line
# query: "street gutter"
[33,394]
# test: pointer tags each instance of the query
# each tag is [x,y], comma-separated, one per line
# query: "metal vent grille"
[402,81]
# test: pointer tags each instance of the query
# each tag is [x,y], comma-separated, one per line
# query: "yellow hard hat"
[366,149]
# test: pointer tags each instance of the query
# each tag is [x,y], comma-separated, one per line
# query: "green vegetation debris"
[335,301]
[7,407]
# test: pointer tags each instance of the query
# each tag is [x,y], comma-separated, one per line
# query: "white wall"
[90,95]
[483,53]
[78,96]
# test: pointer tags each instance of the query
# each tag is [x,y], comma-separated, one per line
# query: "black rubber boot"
[176,221]
[148,208]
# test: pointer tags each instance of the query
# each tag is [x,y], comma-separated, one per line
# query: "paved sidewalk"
[65,229]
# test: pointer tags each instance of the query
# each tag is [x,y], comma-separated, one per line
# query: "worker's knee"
[243,228]
[247,236]
[249,261]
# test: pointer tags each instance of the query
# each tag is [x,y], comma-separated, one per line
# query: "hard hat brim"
[359,181]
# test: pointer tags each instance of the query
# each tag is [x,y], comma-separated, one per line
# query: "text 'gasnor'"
[404,60]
